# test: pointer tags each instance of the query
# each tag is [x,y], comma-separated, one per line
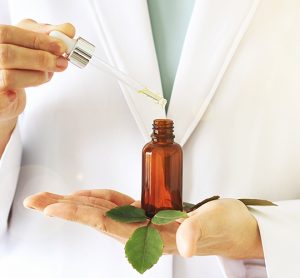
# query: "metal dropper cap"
[79,52]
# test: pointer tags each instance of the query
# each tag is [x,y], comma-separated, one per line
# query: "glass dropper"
[81,52]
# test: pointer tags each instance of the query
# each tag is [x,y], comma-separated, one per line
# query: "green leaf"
[127,214]
[257,202]
[144,248]
[167,216]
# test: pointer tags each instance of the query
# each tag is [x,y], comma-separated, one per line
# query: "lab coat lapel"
[212,39]
[125,30]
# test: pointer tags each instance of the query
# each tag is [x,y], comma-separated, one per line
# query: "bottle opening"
[163,123]
[163,131]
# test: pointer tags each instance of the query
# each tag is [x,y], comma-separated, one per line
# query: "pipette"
[80,52]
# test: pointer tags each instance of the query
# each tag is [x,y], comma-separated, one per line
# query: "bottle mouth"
[162,130]
[163,123]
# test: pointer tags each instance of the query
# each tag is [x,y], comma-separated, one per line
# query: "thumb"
[31,25]
[188,235]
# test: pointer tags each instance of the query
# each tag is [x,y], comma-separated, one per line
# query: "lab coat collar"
[125,30]
[215,31]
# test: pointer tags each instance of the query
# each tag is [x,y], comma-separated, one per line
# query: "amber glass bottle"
[161,170]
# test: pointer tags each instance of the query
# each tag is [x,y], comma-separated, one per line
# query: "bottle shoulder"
[151,146]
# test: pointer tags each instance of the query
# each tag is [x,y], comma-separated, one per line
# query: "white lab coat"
[236,108]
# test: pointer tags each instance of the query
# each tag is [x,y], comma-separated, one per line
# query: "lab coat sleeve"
[280,232]
[9,173]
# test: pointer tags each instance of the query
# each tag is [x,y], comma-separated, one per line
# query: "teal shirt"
[169,21]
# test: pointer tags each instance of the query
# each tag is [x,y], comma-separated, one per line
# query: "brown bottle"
[162,170]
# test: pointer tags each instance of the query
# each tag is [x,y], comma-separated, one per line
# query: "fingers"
[41,200]
[32,25]
[28,57]
[16,57]
[87,215]
[99,197]
[222,227]
[21,67]
[87,210]
[89,201]
[188,235]
[30,48]
[113,196]
[87,207]
[29,39]
[15,79]
[200,233]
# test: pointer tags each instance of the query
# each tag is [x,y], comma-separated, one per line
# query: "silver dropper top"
[79,51]
[82,53]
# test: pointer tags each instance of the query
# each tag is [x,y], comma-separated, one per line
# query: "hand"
[222,227]
[28,57]
[89,207]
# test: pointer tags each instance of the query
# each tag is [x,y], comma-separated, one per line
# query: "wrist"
[6,129]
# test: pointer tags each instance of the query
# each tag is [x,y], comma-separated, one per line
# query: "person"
[235,105]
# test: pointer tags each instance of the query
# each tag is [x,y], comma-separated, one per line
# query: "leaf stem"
[202,203]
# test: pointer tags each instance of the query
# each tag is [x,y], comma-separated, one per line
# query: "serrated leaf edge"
[161,247]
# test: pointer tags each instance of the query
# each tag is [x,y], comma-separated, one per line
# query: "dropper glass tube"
[126,79]
[81,52]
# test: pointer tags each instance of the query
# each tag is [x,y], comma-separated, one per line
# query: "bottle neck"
[163,131]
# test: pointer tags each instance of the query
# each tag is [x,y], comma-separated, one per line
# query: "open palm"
[89,207]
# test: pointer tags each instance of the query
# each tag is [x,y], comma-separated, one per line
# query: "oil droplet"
[158,98]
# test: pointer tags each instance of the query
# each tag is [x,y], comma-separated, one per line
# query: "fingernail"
[56,48]
[11,95]
[61,62]
[29,207]
[26,204]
